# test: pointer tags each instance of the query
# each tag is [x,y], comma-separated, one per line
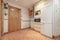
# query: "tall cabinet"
[56,15]
[46,12]
[47,20]
[50,17]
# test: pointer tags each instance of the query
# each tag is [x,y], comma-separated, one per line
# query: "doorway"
[14,19]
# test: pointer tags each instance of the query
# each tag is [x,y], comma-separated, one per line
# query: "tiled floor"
[26,34]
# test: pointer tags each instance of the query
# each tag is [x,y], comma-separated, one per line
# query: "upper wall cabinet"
[31,12]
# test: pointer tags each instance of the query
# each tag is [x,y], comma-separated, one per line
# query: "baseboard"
[25,28]
[57,36]
[46,36]
[35,30]
[14,31]
[5,33]
[41,33]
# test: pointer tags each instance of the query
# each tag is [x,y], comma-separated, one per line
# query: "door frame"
[9,13]
[2,16]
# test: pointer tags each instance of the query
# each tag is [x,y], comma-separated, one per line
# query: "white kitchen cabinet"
[46,20]
[56,20]
[46,29]
[50,17]
[46,14]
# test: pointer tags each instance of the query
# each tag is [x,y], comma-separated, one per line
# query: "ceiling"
[24,3]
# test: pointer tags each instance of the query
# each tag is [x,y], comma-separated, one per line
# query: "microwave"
[37,20]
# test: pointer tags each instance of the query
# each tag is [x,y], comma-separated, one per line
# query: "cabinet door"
[46,29]
[46,20]
[46,14]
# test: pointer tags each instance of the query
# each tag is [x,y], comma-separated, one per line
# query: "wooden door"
[14,19]
[2,16]
[0,19]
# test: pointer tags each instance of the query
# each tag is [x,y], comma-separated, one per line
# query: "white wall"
[46,17]
[24,16]
[32,22]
